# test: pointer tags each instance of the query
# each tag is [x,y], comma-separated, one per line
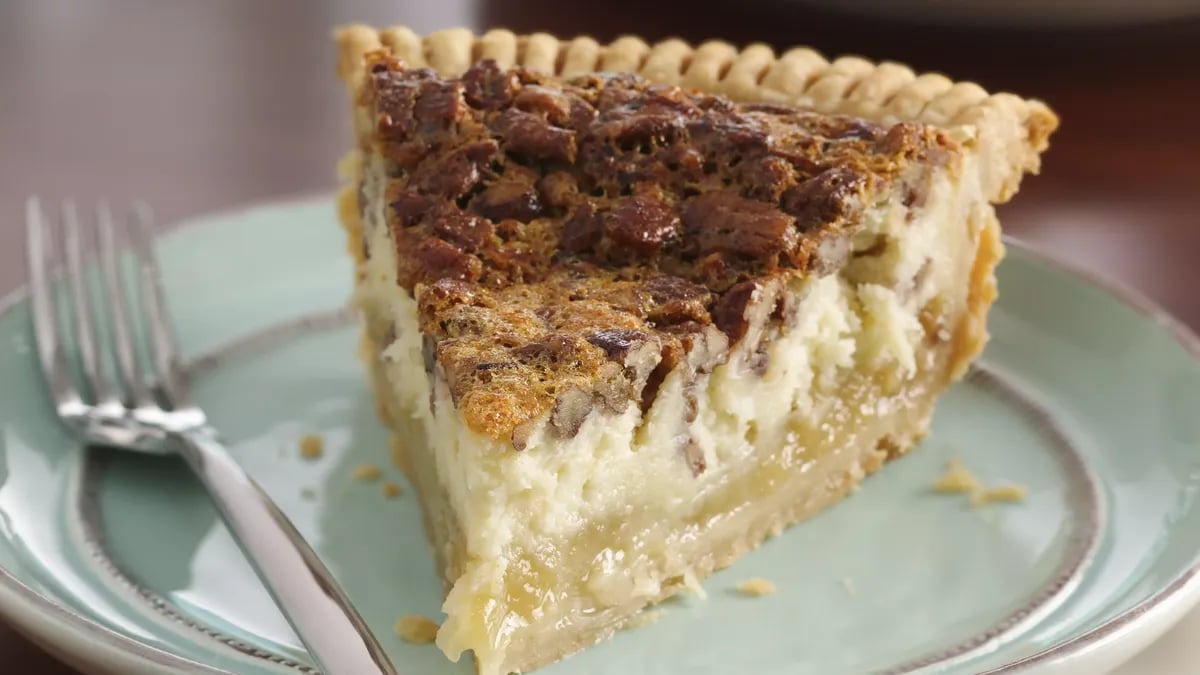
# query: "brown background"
[202,105]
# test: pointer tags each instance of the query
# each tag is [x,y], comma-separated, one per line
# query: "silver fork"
[156,415]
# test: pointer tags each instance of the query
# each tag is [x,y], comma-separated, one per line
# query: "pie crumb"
[848,585]
[392,490]
[957,479]
[312,446]
[645,618]
[308,494]
[1001,493]
[756,587]
[693,584]
[367,472]
[416,629]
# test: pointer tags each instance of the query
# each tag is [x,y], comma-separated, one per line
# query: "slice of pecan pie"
[625,326]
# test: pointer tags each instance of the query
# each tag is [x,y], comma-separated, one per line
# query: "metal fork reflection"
[153,413]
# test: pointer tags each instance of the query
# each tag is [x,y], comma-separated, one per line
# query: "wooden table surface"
[203,105]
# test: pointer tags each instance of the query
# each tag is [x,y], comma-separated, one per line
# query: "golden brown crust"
[971,335]
[1010,132]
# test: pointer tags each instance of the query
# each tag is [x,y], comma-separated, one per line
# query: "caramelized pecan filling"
[570,243]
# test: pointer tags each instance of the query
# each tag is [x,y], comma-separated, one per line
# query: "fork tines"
[68,342]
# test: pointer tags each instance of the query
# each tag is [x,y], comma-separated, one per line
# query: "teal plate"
[118,563]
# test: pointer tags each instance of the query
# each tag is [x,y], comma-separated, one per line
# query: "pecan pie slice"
[630,309]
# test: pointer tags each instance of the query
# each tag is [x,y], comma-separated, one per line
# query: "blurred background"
[197,106]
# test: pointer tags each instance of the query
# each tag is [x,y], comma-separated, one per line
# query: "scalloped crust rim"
[1007,132]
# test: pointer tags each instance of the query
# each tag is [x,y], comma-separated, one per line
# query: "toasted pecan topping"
[569,242]
[729,313]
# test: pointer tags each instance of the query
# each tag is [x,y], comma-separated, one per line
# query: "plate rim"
[1185,585]
[51,623]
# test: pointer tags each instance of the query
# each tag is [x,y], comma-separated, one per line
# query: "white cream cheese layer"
[864,318]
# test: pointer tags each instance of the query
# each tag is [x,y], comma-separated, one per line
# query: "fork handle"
[311,600]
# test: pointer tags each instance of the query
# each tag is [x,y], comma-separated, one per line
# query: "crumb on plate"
[848,585]
[1011,493]
[957,479]
[693,584]
[312,446]
[367,472]
[756,587]
[416,629]
[392,490]
[308,493]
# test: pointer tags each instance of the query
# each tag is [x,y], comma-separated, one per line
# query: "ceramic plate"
[119,563]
